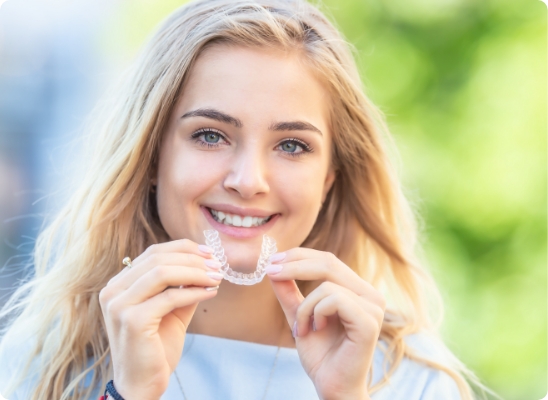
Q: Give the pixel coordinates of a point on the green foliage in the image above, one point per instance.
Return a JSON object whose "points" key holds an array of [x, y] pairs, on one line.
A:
{"points": [[463, 85]]}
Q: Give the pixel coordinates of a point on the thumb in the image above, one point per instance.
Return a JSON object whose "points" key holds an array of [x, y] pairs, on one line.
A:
{"points": [[289, 296]]}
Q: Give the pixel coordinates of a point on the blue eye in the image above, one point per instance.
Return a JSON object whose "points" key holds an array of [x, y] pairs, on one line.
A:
{"points": [[212, 137], [208, 137], [290, 147], [294, 147]]}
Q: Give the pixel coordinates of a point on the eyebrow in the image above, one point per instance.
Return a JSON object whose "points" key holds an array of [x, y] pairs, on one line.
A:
{"points": [[294, 126], [220, 116], [216, 115]]}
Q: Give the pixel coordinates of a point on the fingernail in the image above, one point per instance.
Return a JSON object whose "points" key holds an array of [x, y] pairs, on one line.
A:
{"points": [[205, 249], [215, 275], [211, 288], [277, 257], [273, 269], [294, 331], [213, 264]]}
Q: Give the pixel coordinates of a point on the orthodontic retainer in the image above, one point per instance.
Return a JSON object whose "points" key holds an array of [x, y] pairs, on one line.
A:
{"points": [[268, 248]]}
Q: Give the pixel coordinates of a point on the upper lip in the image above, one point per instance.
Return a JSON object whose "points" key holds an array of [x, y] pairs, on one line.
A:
{"points": [[252, 212]]}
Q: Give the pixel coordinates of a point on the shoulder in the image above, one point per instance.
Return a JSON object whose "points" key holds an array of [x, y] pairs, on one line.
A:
{"points": [[413, 380]]}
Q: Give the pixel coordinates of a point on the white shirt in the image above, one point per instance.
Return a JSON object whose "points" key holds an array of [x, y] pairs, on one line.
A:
{"points": [[223, 369], [217, 368]]}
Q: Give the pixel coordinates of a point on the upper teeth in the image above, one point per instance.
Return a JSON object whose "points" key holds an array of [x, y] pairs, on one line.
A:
{"points": [[237, 220]]}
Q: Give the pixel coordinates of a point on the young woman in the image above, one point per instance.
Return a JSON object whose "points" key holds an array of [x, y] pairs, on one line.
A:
{"points": [[247, 117]]}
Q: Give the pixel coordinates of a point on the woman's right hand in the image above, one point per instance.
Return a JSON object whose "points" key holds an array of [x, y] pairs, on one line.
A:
{"points": [[147, 314]]}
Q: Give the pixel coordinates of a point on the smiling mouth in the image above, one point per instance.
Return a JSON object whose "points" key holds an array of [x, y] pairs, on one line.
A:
{"points": [[245, 221]]}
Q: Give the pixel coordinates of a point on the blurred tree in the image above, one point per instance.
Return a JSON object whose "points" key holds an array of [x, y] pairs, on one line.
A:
{"points": [[463, 85]]}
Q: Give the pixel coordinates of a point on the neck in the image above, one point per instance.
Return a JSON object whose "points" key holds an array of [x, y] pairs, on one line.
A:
{"points": [[247, 313]]}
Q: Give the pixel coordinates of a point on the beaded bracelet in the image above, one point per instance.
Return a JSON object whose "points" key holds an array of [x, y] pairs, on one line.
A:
{"points": [[111, 392]]}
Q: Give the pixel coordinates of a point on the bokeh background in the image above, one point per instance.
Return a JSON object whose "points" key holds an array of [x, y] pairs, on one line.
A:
{"points": [[463, 86]]}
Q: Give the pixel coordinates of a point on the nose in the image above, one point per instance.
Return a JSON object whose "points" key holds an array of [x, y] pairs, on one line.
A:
{"points": [[248, 173]]}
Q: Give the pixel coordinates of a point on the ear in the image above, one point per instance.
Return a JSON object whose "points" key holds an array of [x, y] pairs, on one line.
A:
{"points": [[328, 183]]}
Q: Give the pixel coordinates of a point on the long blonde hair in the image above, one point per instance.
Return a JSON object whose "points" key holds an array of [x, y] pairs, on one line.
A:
{"points": [[365, 219]]}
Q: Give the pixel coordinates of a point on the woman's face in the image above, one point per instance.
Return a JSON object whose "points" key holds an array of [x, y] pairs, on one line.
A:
{"points": [[246, 152]]}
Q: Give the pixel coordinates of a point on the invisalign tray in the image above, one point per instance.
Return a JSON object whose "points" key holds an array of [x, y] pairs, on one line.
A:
{"points": [[267, 249]]}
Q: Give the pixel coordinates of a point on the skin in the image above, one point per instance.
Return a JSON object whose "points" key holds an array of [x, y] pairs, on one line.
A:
{"points": [[251, 166]]}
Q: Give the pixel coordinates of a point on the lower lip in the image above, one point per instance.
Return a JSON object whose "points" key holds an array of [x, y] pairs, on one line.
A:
{"points": [[239, 232]]}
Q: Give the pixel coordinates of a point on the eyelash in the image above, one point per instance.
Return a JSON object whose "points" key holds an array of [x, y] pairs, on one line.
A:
{"points": [[201, 132]]}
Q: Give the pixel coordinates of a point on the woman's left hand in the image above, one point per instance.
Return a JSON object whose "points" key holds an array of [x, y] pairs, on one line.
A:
{"points": [[346, 313]]}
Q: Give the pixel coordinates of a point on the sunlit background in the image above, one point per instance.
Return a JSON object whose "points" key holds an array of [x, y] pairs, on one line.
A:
{"points": [[463, 86]]}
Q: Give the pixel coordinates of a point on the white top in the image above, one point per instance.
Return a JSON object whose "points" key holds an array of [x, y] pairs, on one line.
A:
{"points": [[223, 369]]}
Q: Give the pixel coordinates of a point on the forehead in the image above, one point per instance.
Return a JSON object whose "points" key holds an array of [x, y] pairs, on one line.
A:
{"points": [[256, 82]]}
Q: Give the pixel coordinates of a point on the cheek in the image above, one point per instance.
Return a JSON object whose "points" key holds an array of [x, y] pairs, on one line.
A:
{"points": [[184, 176], [300, 188]]}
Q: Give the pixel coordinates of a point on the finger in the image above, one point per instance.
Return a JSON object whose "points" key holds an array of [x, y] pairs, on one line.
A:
{"points": [[157, 307], [156, 259], [116, 278], [309, 264], [175, 246], [355, 320], [305, 312], [161, 277], [290, 298], [178, 246]]}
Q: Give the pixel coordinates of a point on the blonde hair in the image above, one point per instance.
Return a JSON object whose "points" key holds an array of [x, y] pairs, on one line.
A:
{"points": [[365, 219]]}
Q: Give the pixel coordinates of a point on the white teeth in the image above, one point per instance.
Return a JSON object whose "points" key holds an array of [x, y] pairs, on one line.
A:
{"points": [[246, 222], [237, 220]]}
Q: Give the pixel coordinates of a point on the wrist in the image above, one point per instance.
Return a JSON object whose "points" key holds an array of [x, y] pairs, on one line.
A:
{"points": [[348, 396], [362, 394], [116, 393], [111, 393]]}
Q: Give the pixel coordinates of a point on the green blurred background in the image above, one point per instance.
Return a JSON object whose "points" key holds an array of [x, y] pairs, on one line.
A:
{"points": [[463, 86]]}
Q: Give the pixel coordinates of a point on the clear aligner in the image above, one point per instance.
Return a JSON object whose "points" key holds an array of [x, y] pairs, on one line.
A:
{"points": [[268, 248]]}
